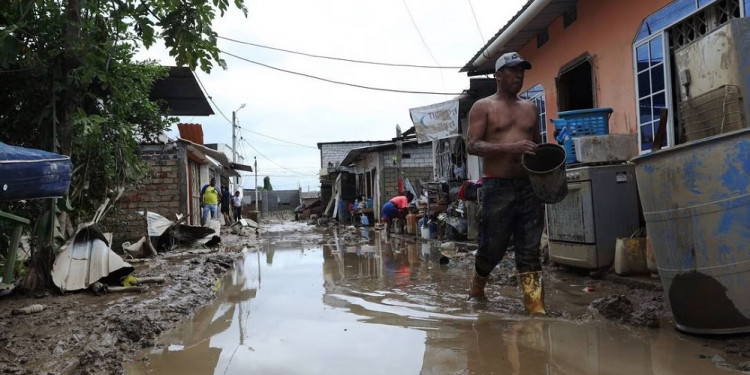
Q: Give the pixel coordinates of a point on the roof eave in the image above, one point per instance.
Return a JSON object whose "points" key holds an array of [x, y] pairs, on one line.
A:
{"points": [[534, 17]]}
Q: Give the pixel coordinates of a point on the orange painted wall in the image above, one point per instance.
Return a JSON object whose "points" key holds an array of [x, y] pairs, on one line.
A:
{"points": [[605, 30]]}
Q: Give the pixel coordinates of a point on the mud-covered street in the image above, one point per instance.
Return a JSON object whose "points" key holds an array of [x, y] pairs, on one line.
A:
{"points": [[338, 300]]}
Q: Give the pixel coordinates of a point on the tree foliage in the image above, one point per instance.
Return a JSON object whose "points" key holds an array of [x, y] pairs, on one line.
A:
{"points": [[68, 75], [267, 184], [70, 83]]}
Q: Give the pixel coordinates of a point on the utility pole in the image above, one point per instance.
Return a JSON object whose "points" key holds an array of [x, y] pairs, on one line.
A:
{"points": [[234, 139], [255, 168], [399, 155]]}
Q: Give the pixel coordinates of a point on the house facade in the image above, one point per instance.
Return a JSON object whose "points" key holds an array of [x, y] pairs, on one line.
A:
{"points": [[613, 54], [178, 169]]}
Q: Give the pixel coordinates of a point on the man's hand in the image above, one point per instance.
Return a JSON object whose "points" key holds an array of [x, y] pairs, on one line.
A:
{"points": [[525, 147]]}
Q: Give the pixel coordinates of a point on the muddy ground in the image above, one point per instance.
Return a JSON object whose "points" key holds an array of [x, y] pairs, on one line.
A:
{"points": [[81, 333]]}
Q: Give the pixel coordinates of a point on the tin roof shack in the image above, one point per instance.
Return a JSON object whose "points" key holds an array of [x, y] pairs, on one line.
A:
{"points": [[178, 169], [334, 173], [309, 197], [375, 168]]}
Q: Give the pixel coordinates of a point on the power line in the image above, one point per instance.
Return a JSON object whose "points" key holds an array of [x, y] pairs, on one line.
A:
{"points": [[281, 140], [475, 20], [269, 159], [212, 100], [340, 58], [230, 121], [339, 82], [419, 32]]}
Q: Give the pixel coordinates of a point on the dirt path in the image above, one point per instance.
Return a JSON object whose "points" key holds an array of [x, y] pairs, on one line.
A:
{"points": [[80, 333]]}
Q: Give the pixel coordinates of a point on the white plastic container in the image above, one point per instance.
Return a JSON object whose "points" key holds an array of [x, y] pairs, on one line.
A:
{"points": [[606, 148]]}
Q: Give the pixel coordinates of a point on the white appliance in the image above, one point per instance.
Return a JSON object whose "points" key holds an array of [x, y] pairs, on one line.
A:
{"points": [[601, 205]]}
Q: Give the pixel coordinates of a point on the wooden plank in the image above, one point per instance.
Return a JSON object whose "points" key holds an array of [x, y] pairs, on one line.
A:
{"points": [[11, 217], [10, 260], [662, 131]]}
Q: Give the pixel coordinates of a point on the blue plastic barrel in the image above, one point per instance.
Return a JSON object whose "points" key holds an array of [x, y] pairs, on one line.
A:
{"points": [[696, 203]]}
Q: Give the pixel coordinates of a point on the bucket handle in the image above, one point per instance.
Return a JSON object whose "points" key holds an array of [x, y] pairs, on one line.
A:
{"points": [[638, 232]]}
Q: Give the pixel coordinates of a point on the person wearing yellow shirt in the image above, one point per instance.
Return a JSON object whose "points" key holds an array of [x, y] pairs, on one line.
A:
{"points": [[210, 197]]}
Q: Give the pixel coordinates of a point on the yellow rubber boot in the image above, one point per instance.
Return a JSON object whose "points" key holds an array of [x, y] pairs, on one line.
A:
{"points": [[476, 289], [533, 292]]}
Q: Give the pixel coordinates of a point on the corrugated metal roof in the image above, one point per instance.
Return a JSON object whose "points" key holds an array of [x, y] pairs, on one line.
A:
{"points": [[191, 132], [87, 259], [182, 94], [310, 195], [355, 153], [522, 37]]}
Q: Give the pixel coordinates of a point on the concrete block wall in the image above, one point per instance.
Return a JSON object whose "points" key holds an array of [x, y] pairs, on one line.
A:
{"points": [[158, 192], [420, 155], [336, 152], [280, 200], [414, 174]]}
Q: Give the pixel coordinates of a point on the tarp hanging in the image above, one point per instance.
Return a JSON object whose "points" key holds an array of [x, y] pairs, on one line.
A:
{"points": [[436, 121]]}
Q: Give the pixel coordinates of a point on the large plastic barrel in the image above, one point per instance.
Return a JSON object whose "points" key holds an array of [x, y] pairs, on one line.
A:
{"points": [[546, 172], [696, 203]]}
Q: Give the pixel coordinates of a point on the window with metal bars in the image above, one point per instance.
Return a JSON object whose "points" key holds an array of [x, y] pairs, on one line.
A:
{"points": [[704, 21]]}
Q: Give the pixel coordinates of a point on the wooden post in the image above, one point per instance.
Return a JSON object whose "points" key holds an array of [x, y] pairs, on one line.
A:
{"points": [[15, 239]]}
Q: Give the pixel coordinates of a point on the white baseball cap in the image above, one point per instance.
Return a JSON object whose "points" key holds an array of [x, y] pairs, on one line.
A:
{"points": [[511, 59]]}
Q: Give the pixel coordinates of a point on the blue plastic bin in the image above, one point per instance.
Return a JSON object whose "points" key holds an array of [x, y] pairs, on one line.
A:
{"points": [[578, 123]]}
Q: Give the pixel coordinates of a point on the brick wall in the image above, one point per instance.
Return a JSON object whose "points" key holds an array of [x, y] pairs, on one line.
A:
{"points": [[158, 192]]}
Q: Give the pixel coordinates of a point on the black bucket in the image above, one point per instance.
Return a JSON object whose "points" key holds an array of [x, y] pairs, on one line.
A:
{"points": [[546, 172]]}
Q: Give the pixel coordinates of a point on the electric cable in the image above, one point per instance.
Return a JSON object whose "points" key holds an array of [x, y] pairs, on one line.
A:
{"points": [[339, 58], [212, 100], [269, 159], [339, 82], [476, 21], [241, 128], [278, 139], [414, 23]]}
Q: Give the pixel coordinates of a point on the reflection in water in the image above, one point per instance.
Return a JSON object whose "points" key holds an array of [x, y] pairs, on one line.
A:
{"points": [[387, 307]]}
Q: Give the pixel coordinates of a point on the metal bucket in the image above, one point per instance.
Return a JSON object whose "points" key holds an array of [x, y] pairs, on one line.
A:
{"points": [[696, 203], [546, 171]]}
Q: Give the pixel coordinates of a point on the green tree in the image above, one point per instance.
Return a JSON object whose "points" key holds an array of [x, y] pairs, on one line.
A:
{"points": [[267, 184], [70, 85]]}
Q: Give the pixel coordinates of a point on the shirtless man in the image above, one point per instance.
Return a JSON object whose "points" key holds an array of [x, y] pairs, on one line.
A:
{"points": [[502, 128]]}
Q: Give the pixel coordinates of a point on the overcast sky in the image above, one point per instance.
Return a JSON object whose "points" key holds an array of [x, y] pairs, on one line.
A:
{"points": [[286, 115]]}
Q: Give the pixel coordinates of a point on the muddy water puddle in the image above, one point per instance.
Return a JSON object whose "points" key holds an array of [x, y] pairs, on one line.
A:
{"points": [[388, 306]]}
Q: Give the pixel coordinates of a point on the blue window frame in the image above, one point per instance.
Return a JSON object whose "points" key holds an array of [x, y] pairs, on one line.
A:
{"points": [[536, 95], [670, 14], [651, 89]]}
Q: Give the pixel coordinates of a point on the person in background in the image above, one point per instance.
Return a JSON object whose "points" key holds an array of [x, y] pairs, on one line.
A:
{"points": [[237, 204], [503, 128], [361, 203], [209, 199], [396, 208], [226, 202], [459, 170]]}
